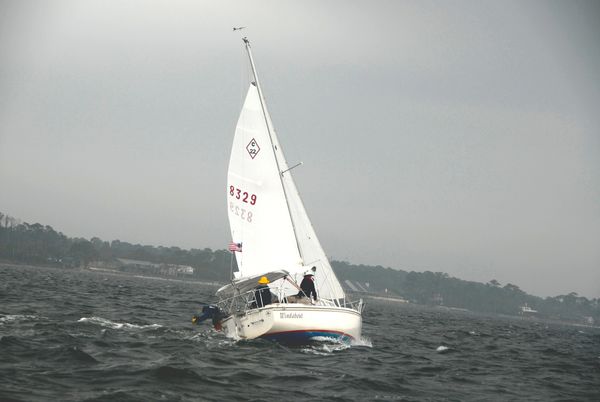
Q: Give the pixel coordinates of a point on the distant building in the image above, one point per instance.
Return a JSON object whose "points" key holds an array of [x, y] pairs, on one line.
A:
{"points": [[526, 310], [138, 263], [154, 268]]}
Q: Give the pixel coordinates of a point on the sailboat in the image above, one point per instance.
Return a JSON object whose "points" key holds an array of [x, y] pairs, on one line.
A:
{"points": [[274, 242]]}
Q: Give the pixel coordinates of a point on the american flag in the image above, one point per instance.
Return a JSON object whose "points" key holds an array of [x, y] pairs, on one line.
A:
{"points": [[235, 247]]}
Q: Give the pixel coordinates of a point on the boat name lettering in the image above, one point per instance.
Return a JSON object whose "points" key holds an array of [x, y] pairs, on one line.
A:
{"points": [[291, 315], [245, 196]]}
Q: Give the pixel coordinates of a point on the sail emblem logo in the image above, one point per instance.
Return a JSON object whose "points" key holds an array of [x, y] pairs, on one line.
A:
{"points": [[253, 148]]}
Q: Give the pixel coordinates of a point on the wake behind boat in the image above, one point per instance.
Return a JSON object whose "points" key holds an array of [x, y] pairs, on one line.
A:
{"points": [[285, 288]]}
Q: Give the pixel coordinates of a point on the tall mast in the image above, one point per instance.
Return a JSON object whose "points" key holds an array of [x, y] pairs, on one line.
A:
{"points": [[269, 130]]}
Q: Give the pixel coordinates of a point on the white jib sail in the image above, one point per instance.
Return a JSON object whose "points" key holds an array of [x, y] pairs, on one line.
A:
{"points": [[311, 251]]}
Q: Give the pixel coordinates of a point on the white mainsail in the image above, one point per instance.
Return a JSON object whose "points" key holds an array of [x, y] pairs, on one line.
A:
{"points": [[266, 214]]}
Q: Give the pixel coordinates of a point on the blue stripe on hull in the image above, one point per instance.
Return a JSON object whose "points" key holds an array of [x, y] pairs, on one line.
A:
{"points": [[303, 337]]}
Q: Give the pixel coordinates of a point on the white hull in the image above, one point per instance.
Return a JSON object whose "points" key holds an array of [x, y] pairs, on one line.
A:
{"points": [[295, 323]]}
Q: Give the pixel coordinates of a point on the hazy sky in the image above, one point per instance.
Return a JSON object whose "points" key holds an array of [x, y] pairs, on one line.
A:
{"points": [[459, 136]]}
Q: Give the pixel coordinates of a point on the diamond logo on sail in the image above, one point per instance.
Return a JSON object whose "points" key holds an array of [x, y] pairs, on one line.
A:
{"points": [[253, 148]]}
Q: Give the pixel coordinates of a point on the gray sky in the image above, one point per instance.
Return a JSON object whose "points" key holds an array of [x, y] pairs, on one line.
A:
{"points": [[460, 136]]}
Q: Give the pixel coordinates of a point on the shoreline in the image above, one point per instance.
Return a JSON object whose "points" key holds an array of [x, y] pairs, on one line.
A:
{"points": [[112, 272]]}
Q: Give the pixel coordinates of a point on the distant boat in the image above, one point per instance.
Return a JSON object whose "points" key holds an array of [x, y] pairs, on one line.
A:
{"points": [[274, 241]]}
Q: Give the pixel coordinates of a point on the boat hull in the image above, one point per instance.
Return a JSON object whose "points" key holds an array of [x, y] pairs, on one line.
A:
{"points": [[295, 324]]}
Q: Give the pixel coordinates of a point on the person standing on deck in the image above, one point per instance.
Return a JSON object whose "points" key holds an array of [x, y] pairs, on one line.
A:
{"points": [[308, 285]]}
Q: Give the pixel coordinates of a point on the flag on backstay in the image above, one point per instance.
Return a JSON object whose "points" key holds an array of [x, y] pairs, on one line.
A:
{"points": [[235, 247]]}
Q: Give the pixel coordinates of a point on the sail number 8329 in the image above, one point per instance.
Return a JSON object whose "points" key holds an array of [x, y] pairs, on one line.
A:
{"points": [[242, 195]]}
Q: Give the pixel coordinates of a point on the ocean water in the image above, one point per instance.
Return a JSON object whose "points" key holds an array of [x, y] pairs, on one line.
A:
{"points": [[93, 336]]}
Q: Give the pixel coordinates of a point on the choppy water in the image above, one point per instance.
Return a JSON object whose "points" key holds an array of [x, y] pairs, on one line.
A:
{"points": [[83, 336]]}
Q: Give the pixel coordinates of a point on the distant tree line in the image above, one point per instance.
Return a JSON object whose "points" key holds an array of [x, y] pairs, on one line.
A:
{"points": [[42, 245], [437, 288], [208, 264]]}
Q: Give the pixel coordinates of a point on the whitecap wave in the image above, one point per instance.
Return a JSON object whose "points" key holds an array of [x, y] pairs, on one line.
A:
{"points": [[103, 322], [325, 346], [363, 341], [315, 351], [16, 317], [335, 347], [442, 349]]}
